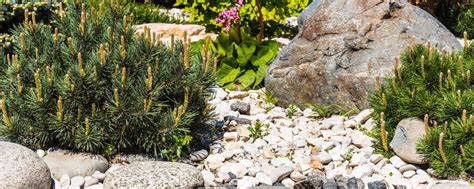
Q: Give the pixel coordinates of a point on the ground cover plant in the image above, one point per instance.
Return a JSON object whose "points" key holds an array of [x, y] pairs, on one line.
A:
{"points": [[436, 87], [88, 83]]}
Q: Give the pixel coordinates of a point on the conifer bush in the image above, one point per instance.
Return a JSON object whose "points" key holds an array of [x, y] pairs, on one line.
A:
{"points": [[436, 87], [88, 83]]}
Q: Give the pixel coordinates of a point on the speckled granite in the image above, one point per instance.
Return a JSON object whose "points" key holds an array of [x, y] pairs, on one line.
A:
{"points": [[154, 174], [20, 167]]}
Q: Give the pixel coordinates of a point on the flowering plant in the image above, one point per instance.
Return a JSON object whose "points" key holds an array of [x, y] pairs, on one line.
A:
{"points": [[228, 17]]}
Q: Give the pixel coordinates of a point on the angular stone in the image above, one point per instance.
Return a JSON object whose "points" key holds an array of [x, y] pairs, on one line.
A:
{"points": [[63, 162], [362, 171], [409, 174], [377, 185], [337, 57], [77, 181], [397, 162], [21, 167], [65, 180], [408, 167], [247, 182], [154, 175], [207, 176], [323, 157], [264, 179], [241, 107], [407, 134], [90, 182]]}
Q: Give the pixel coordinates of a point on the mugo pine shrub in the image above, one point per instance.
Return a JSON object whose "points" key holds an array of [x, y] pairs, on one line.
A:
{"points": [[437, 88], [87, 83]]}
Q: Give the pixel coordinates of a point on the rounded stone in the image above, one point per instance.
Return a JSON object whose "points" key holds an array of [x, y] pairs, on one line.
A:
{"points": [[20, 167], [154, 174], [74, 164]]}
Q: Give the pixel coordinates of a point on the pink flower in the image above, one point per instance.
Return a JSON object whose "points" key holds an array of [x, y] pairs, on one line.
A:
{"points": [[228, 17]]}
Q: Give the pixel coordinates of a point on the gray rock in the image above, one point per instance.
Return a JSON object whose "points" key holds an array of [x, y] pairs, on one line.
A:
{"points": [[20, 167], [355, 183], [329, 184], [407, 134], [343, 54], [132, 158], [154, 174], [241, 121], [74, 164], [198, 155], [241, 107], [77, 181], [377, 185]]}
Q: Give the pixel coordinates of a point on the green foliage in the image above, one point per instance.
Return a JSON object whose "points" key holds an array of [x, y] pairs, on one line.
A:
{"points": [[291, 110], [269, 100], [90, 84], [243, 60], [457, 147], [148, 13], [274, 13], [456, 15], [258, 130], [428, 82]]}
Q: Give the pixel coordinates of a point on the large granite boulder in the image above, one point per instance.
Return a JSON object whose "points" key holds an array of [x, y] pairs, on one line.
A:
{"points": [[20, 167], [154, 174], [343, 47], [62, 162]]}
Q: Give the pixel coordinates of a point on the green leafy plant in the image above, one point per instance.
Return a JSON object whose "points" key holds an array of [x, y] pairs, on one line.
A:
{"points": [[243, 61], [261, 18], [88, 83], [269, 100], [291, 110], [258, 130], [328, 110], [434, 86]]}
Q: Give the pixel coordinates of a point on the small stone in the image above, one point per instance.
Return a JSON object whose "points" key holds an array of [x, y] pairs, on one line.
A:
{"points": [[362, 171], [98, 175], [87, 178], [268, 154], [288, 182], [389, 170], [77, 181], [315, 164], [198, 155], [361, 140], [297, 176], [40, 152], [238, 94], [397, 162], [65, 180], [247, 182], [369, 125], [281, 161], [90, 182], [377, 185], [235, 168], [224, 176], [208, 176], [231, 136], [264, 179], [272, 139], [329, 184], [241, 107], [419, 179], [408, 167], [332, 121], [432, 172], [409, 174], [363, 116], [421, 172], [277, 174], [323, 157]]}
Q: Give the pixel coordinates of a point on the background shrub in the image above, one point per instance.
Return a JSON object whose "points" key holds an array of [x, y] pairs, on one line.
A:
{"points": [[274, 14], [439, 85], [87, 83]]}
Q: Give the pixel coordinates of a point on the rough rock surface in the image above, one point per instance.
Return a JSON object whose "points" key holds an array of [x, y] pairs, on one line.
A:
{"points": [[345, 45], [154, 174], [20, 167], [407, 134], [63, 162]]}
